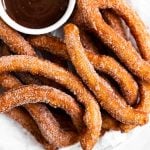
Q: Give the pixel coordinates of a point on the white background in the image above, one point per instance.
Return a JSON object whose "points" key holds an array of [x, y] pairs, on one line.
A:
{"points": [[13, 137]]}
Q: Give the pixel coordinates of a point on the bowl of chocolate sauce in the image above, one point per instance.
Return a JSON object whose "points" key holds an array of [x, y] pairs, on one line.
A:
{"points": [[36, 16]]}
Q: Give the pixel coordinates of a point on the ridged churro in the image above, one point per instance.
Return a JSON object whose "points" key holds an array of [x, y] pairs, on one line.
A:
{"points": [[101, 63], [92, 19], [34, 65], [104, 93]]}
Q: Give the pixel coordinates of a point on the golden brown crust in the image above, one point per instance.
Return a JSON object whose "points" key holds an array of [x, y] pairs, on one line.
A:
{"points": [[56, 98], [104, 93], [8, 81], [122, 48], [142, 38], [101, 63], [50, 128], [92, 118], [20, 115], [14, 40], [116, 23], [43, 118]]}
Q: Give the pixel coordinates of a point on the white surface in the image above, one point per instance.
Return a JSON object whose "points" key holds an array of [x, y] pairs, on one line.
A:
{"points": [[13, 137]]}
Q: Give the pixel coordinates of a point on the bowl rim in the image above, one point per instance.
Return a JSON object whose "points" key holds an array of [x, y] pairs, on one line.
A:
{"points": [[8, 20]]}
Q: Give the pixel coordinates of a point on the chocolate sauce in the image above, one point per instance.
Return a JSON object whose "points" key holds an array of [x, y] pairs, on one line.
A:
{"points": [[35, 13]]}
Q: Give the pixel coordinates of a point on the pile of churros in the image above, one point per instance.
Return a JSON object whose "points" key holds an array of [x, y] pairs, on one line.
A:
{"points": [[75, 89]]}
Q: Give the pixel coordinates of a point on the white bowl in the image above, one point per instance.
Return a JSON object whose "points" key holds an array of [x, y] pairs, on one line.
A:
{"points": [[20, 28]]}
